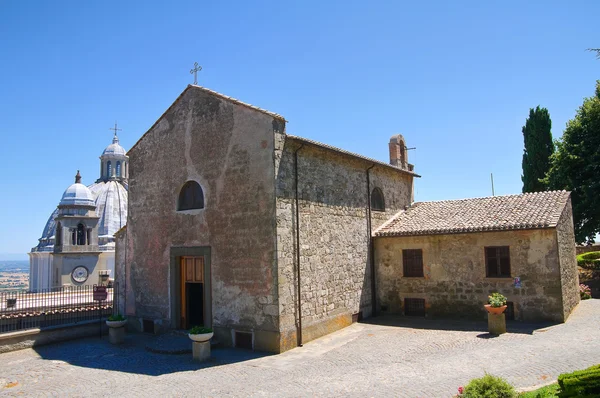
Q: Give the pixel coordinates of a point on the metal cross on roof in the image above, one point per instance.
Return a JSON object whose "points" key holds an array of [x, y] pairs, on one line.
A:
{"points": [[197, 68], [115, 129]]}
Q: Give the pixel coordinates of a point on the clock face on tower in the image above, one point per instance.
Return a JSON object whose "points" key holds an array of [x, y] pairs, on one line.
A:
{"points": [[80, 274]]}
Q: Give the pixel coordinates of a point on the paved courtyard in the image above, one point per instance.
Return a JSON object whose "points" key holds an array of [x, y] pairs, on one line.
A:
{"points": [[399, 357]]}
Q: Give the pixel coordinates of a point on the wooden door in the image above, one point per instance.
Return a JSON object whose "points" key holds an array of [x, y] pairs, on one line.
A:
{"points": [[192, 271]]}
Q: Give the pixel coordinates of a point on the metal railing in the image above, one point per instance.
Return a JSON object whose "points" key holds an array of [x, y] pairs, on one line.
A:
{"points": [[21, 310]]}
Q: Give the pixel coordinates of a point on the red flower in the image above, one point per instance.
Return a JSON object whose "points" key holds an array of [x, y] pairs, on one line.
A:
{"points": [[461, 390]]}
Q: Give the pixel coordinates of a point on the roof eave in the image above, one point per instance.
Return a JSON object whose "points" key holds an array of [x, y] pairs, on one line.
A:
{"points": [[340, 151]]}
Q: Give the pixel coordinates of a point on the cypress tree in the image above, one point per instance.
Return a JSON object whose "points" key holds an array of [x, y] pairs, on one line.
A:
{"points": [[538, 149]]}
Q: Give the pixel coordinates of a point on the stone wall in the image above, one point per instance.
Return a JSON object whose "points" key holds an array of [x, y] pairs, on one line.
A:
{"points": [[565, 236], [227, 148], [455, 282], [334, 238], [587, 249], [120, 268]]}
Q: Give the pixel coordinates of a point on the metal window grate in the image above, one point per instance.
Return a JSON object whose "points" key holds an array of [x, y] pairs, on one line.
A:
{"points": [[414, 307], [412, 260], [497, 261], [243, 340]]}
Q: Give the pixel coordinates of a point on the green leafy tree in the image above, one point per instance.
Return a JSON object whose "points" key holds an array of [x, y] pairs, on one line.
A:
{"points": [[538, 149], [576, 167]]}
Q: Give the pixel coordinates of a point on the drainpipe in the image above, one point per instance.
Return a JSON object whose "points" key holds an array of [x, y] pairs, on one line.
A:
{"points": [[299, 334], [371, 246]]}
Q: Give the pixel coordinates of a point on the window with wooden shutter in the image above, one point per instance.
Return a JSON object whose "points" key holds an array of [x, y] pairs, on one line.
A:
{"points": [[497, 262], [191, 196], [412, 262]]}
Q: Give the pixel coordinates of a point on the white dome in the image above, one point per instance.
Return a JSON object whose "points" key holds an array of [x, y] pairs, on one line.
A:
{"points": [[79, 195], [114, 148], [111, 206]]}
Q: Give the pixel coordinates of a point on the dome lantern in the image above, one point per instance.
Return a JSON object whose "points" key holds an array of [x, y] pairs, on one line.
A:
{"points": [[114, 162]]}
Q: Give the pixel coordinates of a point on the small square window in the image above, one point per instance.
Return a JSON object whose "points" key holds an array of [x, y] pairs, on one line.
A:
{"points": [[414, 307], [497, 262], [412, 263]]}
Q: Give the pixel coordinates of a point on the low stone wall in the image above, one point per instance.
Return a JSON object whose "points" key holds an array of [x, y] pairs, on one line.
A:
{"points": [[587, 249], [22, 339]]}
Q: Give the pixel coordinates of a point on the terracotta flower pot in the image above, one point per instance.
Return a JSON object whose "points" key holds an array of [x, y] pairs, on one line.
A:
{"points": [[494, 310]]}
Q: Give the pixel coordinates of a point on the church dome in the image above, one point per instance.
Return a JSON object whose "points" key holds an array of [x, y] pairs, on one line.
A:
{"points": [[114, 148], [109, 196], [77, 194], [111, 207]]}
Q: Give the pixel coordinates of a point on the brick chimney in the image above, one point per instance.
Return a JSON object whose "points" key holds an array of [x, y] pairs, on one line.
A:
{"points": [[398, 156]]}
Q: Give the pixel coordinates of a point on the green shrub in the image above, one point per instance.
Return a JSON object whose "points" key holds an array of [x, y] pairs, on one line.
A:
{"points": [[590, 260], [489, 387], [117, 317], [496, 300], [550, 391], [580, 383], [200, 330]]}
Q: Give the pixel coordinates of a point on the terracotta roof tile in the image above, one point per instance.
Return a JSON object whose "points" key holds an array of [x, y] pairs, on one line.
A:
{"points": [[495, 213]]}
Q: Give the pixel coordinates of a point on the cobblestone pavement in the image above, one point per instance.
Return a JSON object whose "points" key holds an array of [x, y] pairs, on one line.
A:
{"points": [[398, 357]]}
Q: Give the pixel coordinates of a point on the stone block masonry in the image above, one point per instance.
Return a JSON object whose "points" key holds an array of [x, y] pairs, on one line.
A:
{"points": [[455, 283], [333, 233]]}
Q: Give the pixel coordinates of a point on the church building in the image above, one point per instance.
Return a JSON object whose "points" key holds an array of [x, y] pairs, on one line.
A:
{"points": [[271, 239], [77, 246]]}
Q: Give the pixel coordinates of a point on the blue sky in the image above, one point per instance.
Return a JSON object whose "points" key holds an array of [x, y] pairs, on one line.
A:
{"points": [[457, 79]]}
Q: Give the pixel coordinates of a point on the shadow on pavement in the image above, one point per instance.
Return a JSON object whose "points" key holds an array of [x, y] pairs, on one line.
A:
{"points": [[133, 356], [452, 324]]}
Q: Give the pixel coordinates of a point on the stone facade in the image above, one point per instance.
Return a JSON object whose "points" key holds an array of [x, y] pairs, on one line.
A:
{"points": [[333, 233], [228, 149], [455, 282], [565, 236]]}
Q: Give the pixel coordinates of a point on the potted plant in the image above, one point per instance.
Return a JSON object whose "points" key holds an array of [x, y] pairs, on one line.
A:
{"points": [[116, 321], [496, 303], [200, 334]]}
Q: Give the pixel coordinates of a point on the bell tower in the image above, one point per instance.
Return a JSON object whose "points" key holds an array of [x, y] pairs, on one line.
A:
{"points": [[76, 246]]}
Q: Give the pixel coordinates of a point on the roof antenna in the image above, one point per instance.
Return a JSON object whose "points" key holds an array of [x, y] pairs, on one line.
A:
{"points": [[492, 178]]}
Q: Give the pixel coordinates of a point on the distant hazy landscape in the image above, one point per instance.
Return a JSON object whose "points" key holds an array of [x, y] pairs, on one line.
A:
{"points": [[14, 274]]}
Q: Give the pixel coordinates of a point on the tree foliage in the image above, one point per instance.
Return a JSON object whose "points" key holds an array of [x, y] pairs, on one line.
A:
{"points": [[538, 149], [575, 167]]}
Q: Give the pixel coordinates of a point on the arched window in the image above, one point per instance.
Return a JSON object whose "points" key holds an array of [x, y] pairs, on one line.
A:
{"points": [[191, 196], [108, 169], [377, 201], [118, 168], [58, 235], [81, 235]]}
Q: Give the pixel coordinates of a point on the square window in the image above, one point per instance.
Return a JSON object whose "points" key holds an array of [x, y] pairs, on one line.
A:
{"points": [[414, 307], [497, 262], [412, 263]]}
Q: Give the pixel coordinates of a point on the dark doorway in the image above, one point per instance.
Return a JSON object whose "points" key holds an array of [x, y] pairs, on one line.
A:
{"points": [[195, 304]]}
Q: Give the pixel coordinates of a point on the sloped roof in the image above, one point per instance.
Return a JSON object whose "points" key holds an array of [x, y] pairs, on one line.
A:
{"points": [[216, 94], [495, 213], [303, 140]]}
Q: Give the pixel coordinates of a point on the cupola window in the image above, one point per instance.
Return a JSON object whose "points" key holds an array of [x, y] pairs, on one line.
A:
{"points": [[191, 196], [81, 234], [118, 168], [377, 200], [108, 169]]}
